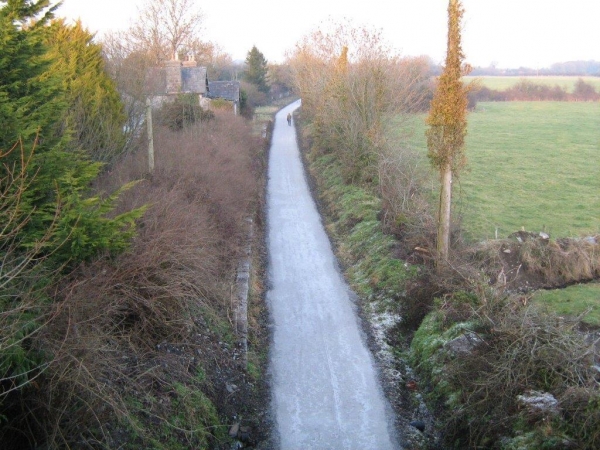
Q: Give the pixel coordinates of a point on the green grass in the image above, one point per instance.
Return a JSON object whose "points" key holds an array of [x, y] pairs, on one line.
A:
{"points": [[362, 247], [502, 83], [579, 300], [531, 164]]}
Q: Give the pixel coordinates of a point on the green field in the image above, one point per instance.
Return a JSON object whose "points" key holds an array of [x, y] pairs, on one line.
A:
{"points": [[503, 83], [579, 300], [531, 164]]}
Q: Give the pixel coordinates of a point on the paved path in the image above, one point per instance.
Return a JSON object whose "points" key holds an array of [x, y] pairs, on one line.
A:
{"points": [[326, 394]]}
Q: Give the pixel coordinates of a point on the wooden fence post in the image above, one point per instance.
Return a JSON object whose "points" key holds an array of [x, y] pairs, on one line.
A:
{"points": [[150, 135]]}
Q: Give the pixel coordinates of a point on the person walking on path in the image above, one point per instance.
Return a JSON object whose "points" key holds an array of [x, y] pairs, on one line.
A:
{"points": [[289, 119]]}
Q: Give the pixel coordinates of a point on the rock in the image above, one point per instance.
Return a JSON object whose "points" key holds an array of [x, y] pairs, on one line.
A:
{"points": [[419, 425], [544, 236], [465, 343], [231, 388], [244, 435], [539, 403], [412, 385], [233, 431]]}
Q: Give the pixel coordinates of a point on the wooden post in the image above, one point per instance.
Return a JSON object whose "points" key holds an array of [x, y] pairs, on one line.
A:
{"points": [[150, 135]]}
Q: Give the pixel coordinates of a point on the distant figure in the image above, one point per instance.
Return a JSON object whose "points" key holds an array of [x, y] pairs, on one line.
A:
{"points": [[289, 119]]}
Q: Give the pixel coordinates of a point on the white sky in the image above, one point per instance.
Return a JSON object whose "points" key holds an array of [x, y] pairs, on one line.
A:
{"points": [[511, 33]]}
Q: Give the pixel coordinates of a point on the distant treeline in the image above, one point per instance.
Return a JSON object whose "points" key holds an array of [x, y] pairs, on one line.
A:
{"points": [[570, 68], [526, 90]]}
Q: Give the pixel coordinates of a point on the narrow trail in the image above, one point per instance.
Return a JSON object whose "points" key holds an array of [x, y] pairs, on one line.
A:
{"points": [[326, 392]]}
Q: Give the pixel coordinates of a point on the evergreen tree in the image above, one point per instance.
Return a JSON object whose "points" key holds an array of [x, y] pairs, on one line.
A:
{"points": [[30, 99], [35, 116], [256, 70], [448, 125], [94, 108]]}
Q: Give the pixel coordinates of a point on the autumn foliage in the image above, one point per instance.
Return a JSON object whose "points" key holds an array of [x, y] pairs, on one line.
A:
{"points": [[448, 124]]}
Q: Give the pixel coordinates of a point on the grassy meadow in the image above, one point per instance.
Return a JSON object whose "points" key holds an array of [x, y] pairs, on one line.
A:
{"points": [[578, 300], [500, 83], [531, 164]]}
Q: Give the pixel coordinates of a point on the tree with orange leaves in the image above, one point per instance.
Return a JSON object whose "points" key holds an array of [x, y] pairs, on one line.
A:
{"points": [[448, 125]]}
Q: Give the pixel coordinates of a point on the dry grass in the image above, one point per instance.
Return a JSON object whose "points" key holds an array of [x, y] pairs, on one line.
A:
{"points": [[527, 262], [564, 260]]}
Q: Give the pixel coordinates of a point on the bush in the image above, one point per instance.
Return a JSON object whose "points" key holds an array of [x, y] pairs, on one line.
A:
{"points": [[183, 112], [516, 349], [407, 209]]}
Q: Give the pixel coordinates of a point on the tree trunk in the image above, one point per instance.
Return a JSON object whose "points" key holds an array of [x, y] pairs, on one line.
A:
{"points": [[443, 235]]}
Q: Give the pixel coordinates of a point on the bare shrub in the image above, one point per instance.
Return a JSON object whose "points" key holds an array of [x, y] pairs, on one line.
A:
{"points": [[526, 90], [114, 316], [584, 92], [130, 334], [353, 84], [408, 212], [520, 349]]}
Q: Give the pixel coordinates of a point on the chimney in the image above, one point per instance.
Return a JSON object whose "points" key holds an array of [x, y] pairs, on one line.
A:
{"points": [[173, 74], [191, 61]]}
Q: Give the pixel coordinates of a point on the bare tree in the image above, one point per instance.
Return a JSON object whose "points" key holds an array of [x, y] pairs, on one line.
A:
{"points": [[131, 69], [166, 28], [353, 87]]}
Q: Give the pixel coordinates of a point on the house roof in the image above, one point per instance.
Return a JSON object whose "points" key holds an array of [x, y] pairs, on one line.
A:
{"points": [[193, 80], [227, 90]]}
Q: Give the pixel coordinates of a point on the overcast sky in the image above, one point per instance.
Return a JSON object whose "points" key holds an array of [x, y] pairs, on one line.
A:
{"points": [[510, 33]]}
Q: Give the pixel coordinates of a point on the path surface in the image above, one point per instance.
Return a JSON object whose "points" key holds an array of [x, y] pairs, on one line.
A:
{"points": [[326, 393]]}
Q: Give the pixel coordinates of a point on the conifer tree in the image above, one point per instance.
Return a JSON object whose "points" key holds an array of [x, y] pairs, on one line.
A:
{"points": [[257, 70], [34, 113], [448, 125], [94, 108], [30, 100]]}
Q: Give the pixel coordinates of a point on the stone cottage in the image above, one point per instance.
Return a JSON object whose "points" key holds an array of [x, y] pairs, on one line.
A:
{"points": [[226, 90], [180, 77]]}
